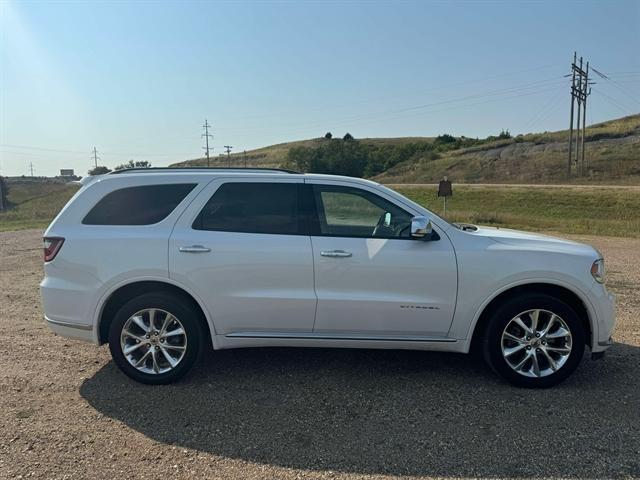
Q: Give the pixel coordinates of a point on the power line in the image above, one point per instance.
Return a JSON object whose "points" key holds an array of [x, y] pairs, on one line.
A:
{"points": [[492, 93], [545, 111], [206, 136], [439, 87], [617, 85], [421, 113], [614, 102]]}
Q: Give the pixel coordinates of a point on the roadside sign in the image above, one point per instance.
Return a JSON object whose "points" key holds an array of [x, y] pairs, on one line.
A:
{"points": [[445, 190]]}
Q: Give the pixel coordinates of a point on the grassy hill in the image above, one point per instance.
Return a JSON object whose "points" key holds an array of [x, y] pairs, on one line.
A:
{"points": [[275, 156], [612, 156], [33, 203]]}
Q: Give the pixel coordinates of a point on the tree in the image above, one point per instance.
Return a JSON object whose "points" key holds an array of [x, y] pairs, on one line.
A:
{"points": [[3, 195], [99, 170], [445, 138], [504, 134], [347, 136], [328, 135], [134, 164]]}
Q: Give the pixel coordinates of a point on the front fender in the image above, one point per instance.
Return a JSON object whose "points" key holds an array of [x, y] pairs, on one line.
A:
{"points": [[463, 331]]}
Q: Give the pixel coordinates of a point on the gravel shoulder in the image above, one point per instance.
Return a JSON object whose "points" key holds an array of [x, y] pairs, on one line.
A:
{"points": [[67, 412]]}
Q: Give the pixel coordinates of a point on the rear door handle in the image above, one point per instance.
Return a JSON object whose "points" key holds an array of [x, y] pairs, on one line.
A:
{"points": [[336, 254], [195, 249]]}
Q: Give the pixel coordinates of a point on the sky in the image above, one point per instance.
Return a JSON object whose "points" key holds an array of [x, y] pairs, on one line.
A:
{"points": [[136, 80]]}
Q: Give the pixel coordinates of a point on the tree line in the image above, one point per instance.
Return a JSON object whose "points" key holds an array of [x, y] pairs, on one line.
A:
{"points": [[101, 169], [348, 156]]}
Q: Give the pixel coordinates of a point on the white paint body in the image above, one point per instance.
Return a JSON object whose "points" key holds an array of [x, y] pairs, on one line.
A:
{"points": [[277, 290]]}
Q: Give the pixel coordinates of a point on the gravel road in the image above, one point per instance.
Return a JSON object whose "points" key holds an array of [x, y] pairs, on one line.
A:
{"points": [[67, 412]]}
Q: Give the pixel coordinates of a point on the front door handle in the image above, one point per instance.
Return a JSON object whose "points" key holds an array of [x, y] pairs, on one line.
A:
{"points": [[195, 249], [336, 254]]}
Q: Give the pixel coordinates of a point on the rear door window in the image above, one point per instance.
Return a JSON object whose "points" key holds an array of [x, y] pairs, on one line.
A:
{"points": [[141, 205], [253, 207]]}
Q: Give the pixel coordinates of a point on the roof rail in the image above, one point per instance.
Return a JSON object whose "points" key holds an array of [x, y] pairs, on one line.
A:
{"points": [[205, 169]]}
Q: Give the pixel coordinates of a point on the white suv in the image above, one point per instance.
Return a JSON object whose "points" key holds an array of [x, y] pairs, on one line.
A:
{"points": [[160, 263]]}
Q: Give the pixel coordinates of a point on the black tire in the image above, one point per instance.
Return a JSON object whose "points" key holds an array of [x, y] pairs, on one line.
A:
{"points": [[180, 308], [492, 342]]}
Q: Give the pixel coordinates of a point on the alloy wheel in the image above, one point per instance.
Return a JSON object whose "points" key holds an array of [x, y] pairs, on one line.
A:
{"points": [[536, 343], [153, 341]]}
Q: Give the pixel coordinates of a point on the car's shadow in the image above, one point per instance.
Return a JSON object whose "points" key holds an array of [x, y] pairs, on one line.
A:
{"points": [[389, 412]]}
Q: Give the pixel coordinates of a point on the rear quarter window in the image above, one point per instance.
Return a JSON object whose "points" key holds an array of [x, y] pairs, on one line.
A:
{"points": [[141, 205]]}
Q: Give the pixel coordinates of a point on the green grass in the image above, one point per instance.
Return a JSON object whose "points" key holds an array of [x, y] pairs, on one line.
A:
{"points": [[34, 203], [584, 210], [611, 212]]}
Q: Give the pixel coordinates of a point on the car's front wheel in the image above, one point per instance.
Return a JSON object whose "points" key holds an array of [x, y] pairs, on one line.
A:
{"points": [[534, 340], [155, 338]]}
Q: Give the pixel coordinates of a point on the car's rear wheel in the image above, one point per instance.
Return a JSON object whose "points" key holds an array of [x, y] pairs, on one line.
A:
{"points": [[534, 340], [155, 338]]}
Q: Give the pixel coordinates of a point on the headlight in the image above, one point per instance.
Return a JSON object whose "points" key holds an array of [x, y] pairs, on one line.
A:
{"points": [[597, 270]]}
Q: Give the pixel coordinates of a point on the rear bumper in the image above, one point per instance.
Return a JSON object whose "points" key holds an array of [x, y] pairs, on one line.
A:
{"points": [[68, 308], [71, 330]]}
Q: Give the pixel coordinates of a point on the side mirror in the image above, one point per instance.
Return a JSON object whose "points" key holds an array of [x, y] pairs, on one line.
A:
{"points": [[420, 227]]}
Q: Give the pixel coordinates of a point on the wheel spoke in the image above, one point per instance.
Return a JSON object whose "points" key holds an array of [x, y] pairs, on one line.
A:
{"points": [[551, 323], [552, 362], [562, 350], [522, 362], [535, 367], [154, 359], [513, 338], [152, 318], [560, 333], [132, 348], [127, 333], [510, 351], [165, 323], [174, 347], [522, 325], [172, 361], [534, 315], [173, 333], [139, 322], [142, 360]]}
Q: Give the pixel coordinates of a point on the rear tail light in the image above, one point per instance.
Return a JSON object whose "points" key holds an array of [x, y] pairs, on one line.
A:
{"points": [[52, 247]]}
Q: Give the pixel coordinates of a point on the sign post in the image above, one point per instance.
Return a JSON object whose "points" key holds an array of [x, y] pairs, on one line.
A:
{"points": [[445, 190]]}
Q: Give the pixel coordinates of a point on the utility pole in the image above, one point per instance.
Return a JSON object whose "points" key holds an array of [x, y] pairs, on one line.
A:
{"points": [[228, 150], [586, 91], [573, 101], [31, 168], [95, 157], [206, 136], [245, 159], [575, 162], [580, 90]]}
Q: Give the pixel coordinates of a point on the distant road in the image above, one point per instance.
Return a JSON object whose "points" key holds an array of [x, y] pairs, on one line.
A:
{"points": [[521, 185]]}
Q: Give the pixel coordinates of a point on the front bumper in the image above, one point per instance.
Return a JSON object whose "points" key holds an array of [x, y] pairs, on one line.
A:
{"points": [[604, 323]]}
